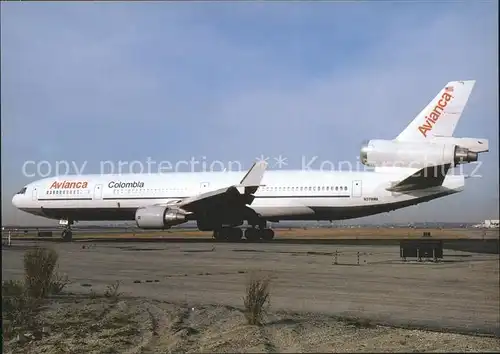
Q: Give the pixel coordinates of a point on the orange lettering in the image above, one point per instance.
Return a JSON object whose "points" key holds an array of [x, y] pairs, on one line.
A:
{"points": [[424, 130], [436, 112], [427, 125], [68, 184], [434, 116]]}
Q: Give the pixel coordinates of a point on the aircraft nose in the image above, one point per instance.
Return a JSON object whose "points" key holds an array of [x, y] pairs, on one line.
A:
{"points": [[16, 201]]}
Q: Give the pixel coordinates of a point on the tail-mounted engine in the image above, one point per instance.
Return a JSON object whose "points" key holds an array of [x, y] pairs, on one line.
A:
{"points": [[415, 153]]}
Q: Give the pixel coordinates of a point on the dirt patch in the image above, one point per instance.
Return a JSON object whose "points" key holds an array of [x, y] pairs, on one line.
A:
{"points": [[84, 324]]}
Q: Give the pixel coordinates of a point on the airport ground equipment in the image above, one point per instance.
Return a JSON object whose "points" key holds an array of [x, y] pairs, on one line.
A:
{"points": [[421, 248], [44, 233]]}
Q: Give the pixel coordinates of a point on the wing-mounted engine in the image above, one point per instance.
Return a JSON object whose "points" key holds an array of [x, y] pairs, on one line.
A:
{"points": [[159, 217], [416, 154]]}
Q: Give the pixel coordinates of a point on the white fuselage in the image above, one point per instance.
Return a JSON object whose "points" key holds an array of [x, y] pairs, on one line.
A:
{"points": [[221, 201], [286, 195]]}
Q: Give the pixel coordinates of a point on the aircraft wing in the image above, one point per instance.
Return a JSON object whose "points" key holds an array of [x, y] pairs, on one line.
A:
{"points": [[229, 197], [430, 176]]}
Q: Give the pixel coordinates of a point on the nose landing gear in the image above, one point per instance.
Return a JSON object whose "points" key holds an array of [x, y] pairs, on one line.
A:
{"points": [[67, 233]]}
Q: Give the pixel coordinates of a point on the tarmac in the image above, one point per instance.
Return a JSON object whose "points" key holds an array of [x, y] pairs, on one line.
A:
{"points": [[459, 294]]}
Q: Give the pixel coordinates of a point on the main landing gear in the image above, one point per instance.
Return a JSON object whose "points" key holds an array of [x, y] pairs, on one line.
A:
{"points": [[67, 233], [236, 234]]}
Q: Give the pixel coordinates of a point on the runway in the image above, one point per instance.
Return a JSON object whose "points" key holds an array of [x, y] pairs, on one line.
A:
{"points": [[459, 294]]}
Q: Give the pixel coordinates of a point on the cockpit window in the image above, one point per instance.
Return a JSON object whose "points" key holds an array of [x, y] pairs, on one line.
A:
{"points": [[22, 191]]}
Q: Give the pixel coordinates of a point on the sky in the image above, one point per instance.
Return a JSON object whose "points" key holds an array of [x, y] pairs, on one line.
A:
{"points": [[220, 81]]}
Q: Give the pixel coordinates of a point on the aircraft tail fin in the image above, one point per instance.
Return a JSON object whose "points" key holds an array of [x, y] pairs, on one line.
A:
{"points": [[441, 115]]}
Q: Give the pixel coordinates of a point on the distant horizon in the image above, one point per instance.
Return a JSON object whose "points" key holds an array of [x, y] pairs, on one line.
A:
{"points": [[321, 223]]}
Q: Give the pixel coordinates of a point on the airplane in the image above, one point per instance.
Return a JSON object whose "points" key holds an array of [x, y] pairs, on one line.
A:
{"points": [[411, 168]]}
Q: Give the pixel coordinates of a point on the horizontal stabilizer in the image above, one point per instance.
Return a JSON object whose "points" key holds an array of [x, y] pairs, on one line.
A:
{"points": [[431, 176], [473, 144]]}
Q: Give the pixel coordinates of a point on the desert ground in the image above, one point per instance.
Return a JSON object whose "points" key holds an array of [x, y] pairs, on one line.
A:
{"points": [[178, 297]]}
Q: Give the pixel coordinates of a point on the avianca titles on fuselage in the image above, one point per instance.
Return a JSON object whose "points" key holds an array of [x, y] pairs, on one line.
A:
{"points": [[68, 184]]}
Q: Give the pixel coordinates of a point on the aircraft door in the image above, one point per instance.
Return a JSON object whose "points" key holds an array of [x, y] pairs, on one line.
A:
{"points": [[34, 194], [356, 188], [98, 192]]}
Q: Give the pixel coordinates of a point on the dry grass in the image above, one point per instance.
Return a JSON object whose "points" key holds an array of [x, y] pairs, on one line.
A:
{"points": [[18, 308], [21, 300], [112, 291], [39, 265], [58, 283], [79, 325], [256, 300]]}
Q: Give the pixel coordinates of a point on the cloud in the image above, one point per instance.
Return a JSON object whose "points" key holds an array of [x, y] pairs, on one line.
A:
{"points": [[126, 81]]}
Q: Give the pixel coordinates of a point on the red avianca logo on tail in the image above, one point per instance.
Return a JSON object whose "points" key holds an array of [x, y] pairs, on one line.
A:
{"points": [[433, 117], [68, 184]]}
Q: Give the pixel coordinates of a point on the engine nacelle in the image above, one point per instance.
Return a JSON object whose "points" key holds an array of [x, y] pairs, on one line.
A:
{"points": [[377, 153], [158, 217], [473, 144]]}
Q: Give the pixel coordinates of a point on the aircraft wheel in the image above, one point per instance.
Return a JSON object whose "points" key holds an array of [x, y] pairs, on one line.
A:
{"points": [[267, 234], [218, 235], [231, 234], [235, 234], [252, 234]]}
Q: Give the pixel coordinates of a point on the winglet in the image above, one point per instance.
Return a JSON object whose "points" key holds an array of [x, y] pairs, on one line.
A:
{"points": [[254, 175]]}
